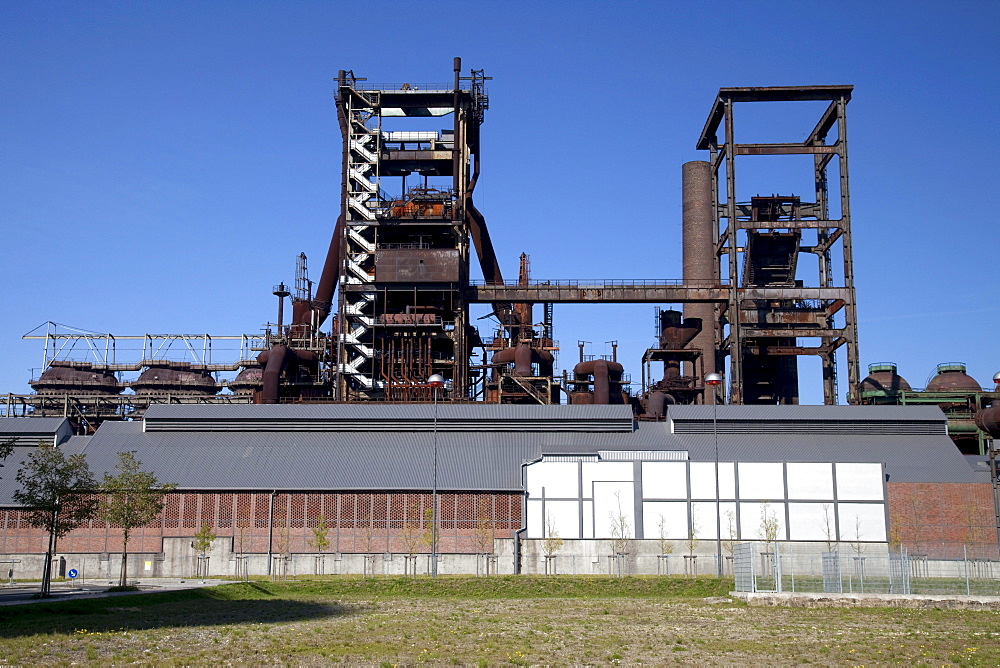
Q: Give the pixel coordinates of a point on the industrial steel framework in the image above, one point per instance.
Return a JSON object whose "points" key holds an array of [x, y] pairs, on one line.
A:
{"points": [[758, 244], [402, 312]]}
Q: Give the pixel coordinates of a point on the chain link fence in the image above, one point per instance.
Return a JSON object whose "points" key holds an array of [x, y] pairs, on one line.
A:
{"points": [[952, 569]]}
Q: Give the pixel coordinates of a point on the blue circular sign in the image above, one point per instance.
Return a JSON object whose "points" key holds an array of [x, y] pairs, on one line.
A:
{"points": [[72, 573]]}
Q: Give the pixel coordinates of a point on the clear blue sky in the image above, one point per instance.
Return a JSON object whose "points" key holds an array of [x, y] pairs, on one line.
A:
{"points": [[162, 164]]}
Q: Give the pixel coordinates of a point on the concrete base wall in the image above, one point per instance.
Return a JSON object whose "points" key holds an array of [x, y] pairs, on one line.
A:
{"points": [[572, 557]]}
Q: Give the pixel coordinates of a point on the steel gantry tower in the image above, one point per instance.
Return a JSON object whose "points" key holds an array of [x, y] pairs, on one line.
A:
{"points": [[407, 221], [758, 245]]}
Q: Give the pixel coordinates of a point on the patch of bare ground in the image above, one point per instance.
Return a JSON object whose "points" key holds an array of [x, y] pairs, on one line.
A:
{"points": [[308, 627]]}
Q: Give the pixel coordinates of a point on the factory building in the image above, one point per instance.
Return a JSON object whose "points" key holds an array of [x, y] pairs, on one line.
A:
{"points": [[510, 476]]}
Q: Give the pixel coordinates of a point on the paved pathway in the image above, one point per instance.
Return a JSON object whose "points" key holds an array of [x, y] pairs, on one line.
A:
{"points": [[20, 593]]}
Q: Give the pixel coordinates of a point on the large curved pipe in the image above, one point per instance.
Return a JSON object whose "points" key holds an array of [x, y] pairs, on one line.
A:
{"points": [[604, 373], [657, 402], [989, 420], [273, 361], [523, 356], [322, 304]]}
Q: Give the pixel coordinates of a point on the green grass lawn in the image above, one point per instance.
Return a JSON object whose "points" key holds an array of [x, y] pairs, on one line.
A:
{"points": [[486, 621]]}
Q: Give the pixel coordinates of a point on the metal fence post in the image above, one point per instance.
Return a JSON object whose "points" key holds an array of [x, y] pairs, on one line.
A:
{"points": [[965, 558]]}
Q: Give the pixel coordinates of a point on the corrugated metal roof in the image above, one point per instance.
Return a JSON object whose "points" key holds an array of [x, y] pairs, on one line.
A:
{"points": [[31, 425], [928, 458], [317, 461], [11, 465], [478, 460], [814, 413], [386, 411], [388, 417]]}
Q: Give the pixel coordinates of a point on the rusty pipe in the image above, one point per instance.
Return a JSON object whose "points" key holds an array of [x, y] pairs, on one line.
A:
{"points": [[322, 304], [274, 362], [523, 356], [657, 402], [604, 374], [988, 420]]}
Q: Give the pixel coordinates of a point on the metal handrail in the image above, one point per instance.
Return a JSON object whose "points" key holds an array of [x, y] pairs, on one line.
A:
{"points": [[607, 282], [413, 87]]}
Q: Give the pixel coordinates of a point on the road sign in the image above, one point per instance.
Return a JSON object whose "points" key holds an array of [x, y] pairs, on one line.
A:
{"points": [[72, 573]]}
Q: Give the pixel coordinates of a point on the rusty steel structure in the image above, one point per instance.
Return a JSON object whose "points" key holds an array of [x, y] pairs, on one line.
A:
{"points": [[397, 281], [758, 245], [406, 231]]}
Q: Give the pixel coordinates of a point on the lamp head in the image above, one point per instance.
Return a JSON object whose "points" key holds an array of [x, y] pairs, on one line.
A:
{"points": [[714, 379], [437, 380]]}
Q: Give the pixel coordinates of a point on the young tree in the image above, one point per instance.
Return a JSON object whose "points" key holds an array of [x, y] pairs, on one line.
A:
{"points": [[485, 529], [130, 499], [412, 531], [203, 539], [666, 547], [202, 544], [320, 542], [829, 528], [552, 542], [54, 489], [729, 540], [769, 525], [621, 528], [692, 537]]}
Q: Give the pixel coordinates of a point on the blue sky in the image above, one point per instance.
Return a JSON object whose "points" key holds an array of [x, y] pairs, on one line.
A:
{"points": [[162, 164]]}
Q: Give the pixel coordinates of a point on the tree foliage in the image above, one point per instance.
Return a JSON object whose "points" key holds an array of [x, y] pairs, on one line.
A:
{"points": [[769, 525], [6, 448], [203, 539], [320, 540], [55, 491], [131, 499]]}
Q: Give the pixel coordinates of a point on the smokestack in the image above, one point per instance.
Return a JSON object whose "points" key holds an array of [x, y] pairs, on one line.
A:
{"points": [[699, 255]]}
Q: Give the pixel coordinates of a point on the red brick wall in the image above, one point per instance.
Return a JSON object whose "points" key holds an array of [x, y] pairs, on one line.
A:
{"points": [[357, 522], [938, 519]]}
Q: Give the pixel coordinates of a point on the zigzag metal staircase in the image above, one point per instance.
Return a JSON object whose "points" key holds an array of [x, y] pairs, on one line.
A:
{"points": [[363, 205]]}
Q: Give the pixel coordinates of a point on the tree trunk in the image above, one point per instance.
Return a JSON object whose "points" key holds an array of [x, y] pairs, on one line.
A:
{"points": [[121, 578], [47, 572]]}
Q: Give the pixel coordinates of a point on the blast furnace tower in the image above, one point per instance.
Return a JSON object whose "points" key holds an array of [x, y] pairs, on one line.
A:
{"points": [[779, 307], [403, 238]]}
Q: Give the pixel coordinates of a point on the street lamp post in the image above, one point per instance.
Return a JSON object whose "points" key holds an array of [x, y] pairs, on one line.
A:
{"points": [[436, 382], [713, 380]]}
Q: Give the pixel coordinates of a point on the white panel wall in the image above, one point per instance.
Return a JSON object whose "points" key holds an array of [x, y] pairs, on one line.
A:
{"points": [[664, 480], [727, 480], [564, 516], [612, 499], [860, 495], [862, 521], [810, 481], [702, 480], [704, 519], [859, 482], [750, 520], [536, 524], [605, 471], [762, 480], [806, 521], [730, 526], [675, 519], [560, 480]]}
